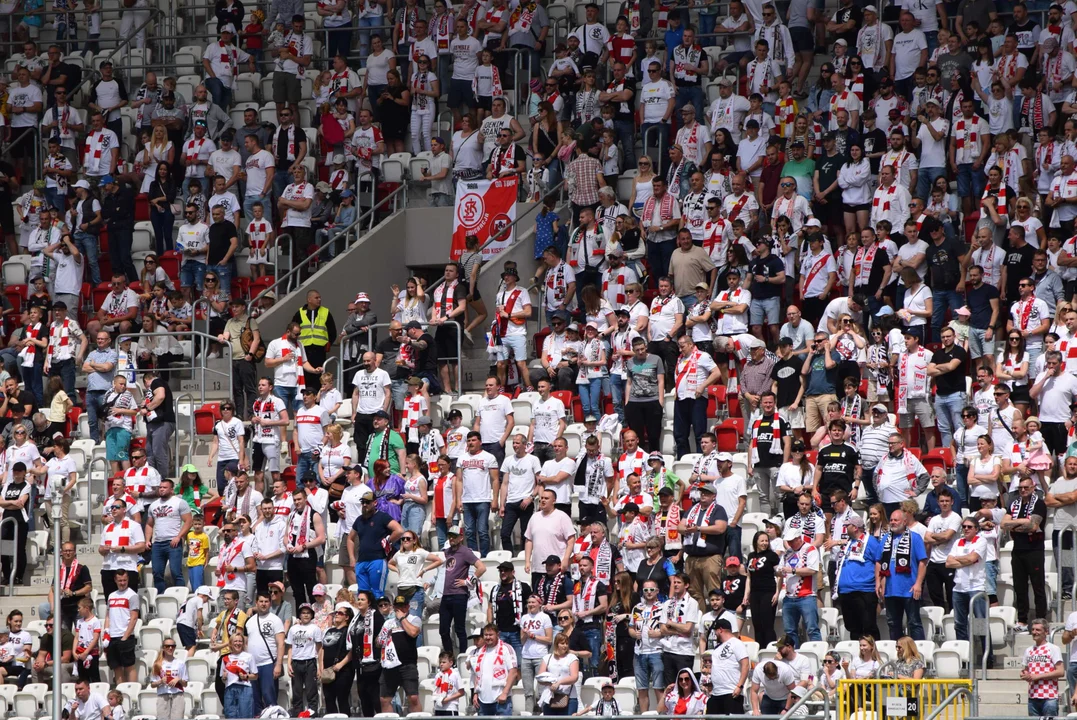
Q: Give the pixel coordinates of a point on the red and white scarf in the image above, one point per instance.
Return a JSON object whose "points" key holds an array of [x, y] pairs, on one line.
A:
{"points": [[1032, 111], [59, 336], [919, 380], [445, 299], [1024, 310], [775, 440], [228, 557], [966, 133], [865, 259], [94, 148], [441, 28], [229, 57], [500, 671], [1000, 206]]}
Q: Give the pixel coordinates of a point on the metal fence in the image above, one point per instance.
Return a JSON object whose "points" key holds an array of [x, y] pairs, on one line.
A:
{"points": [[903, 698]]}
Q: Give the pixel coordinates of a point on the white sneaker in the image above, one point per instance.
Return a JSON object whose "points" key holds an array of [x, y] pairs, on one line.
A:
{"points": [[213, 355]]}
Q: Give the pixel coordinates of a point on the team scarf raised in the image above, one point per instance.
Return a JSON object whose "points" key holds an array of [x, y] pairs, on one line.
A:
{"points": [[1000, 206], [1032, 112]]}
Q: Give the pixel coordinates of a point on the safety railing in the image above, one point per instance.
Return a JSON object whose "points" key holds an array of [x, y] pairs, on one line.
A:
{"points": [[369, 332], [5, 544], [818, 687], [200, 342], [959, 693], [979, 626], [1070, 531], [283, 284], [190, 431], [915, 698]]}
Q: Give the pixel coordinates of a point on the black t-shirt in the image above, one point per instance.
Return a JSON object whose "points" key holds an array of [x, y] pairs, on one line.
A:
{"points": [[768, 267], [764, 438], [733, 587], [1026, 42], [874, 141], [370, 532], [335, 645], [1018, 264], [405, 645], [656, 572], [715, 543], [839, 466], [978, 301], [953, 381], [426, 359], [389, 350], [166, 411], [944, 264], [761, 567], [1023, 540], [600, 591], [357, 635], [553, 591], [220, 237], [82, 579], [828, 167], [25, 398], [13, 491], [878, 268], [844, 15], [787, 375], [505, 606]]}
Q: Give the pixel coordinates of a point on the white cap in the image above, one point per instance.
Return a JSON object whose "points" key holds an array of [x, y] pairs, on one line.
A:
{"points": [[84, 184], [870, 9], [791, 534], [204, 590], [813, 222], [228, 28], [842, 41]]}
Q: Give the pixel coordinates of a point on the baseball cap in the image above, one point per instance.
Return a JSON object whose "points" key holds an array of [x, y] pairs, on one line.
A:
{"points": [[724, 457], [362, 297], [855, 520], [879, 407], [791, 534], [813, 222], [552, 560], [870, 9], [414, 325], [84, 184], [725, 80], [381, 414], [204, 590], [228, 28], [506, 566], [108, 180], [323, 187], [732, 561], [786, 641], [842, 41], [456, 529], [400, 600], [702, 286], [318, 589], [656, 456]]}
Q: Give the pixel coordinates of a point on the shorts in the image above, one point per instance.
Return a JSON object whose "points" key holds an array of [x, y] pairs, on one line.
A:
{"points": [[405, 676], [121, 653], [803, 40], [1019, 394], [117, 443], [831, 213], [978, 347], [761, 308], [795, 418], [265, 454], [875, 393], [445, 342], [286, 88], [921, 409], [461, 94], [188, 635], [192, 274], [516, 343], [863, 207], [33, 31], [484, 102], [648, 670]]}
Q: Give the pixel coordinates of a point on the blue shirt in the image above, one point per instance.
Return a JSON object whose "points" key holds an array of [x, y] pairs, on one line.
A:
{"points": [[673, 38], [931, 504], [97, 380], [899, 584], [857, 575]]}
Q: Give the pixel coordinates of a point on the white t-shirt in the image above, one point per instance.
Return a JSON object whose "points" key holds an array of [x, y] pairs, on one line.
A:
{"points": [[654, 99], [241, 661], [171, 669], [493, 417], [121, 604], [257, 166], [538, 623], [907, 48], [269, 537], [932, 151], [939, 524], [24, 97], [228, 435], [287, 373], [409, 566], [475, 472], [304, 640], [725, 666], [371, 387], [972, 578], [663, 316], [298, 218], [547, 415], [778, 688], [310, 424], [563, 490], [685, 610], [167, 517], [519, 473], [192, 608], [268, 409], [1056, 397], [730, 490], [465, 55], [115, 535]]}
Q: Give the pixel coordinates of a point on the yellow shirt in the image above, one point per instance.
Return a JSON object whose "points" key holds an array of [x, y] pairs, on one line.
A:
{"points": [[239, 621], [58, 407], [197, 548]]}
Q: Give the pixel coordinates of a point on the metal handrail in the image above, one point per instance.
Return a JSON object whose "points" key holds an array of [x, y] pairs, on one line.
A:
{"points": [[954, 695], [348, 241], [203, 338], [369, 332], [190, 433], [1072, 529], [89, 481], [15, 557], [987, 636], [817, 687]]}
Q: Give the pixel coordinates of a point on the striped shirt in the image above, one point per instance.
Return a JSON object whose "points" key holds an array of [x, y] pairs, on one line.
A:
{"points": [[755, 377], [874, 443]]}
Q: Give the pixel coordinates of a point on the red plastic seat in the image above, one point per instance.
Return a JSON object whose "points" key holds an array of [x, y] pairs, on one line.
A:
{"points": [[729, 433], [241, 288], [540, 337], [916, 453], [73, 420], [733, 402], [863, 387], [288, 475], [170, 262], [716, 398], [577, 409], [811, 455], [564, 396], [206, 417], [100, 292], [15, 295], [261, 284]]}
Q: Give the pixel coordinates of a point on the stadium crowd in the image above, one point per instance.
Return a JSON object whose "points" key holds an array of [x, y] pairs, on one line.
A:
{"points": [[840, 289]]}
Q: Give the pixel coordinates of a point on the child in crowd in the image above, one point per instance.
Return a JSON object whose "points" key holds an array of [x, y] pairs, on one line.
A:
{"points": [[447, 691], [197, 552], [87, 650], [260, 235], [252, 36]]}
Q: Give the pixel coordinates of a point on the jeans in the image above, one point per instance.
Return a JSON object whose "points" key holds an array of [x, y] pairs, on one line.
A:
{"points": [[962, 600], [592, 633], [513, 639], [31, 377], [648, 669], [502, 709], [943, 299], [895, 608], [688, 415], [658, 256], [1043, 708], [88, 245], [416, 605], [690, 95], [162, 221], [970, 182], [733, 535], [288, 395], [340, 39], [1063, 551], [364, 36], [412, 516], [626, 136], [962, 472], [514, 513], [453, 615], [222, 96], [163, 553], [1071, 677], [53, 198], [195, 575], [926, 180], [617, 393], [158, 435], [590, 396], [224, 272], [266, 693], [250, 200], [307, 465], [192, 274], [948, 413], [796, 609], [281, 180], [477, 526], [239, 701], [94, 400], [706, 27]]}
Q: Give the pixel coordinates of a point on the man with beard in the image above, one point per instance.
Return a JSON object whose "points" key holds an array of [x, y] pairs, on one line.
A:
{"points": [[838, 468], [900, 565]]}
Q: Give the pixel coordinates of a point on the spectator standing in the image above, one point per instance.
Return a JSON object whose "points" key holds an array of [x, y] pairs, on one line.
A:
{"points": [[166, 528], [901, 563], [1055, 391], [1042, 669], [477, 473], [1024, 521], [968, 559], [459, 560], [123, 612], [494, 420], [266, 631], [317, 330], [854, 585]]}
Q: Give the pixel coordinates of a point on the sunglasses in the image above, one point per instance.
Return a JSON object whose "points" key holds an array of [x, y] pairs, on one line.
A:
{"points": [[564, 618], [166, 645], [366, 502]]}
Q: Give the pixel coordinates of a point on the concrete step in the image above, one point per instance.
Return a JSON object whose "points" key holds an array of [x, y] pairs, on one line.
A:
{"points": [[1003, 709], [1004, 675]]}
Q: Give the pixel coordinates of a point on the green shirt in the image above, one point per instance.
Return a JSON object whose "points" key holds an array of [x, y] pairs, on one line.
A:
{"points": [[374, 450], [803, 171]]}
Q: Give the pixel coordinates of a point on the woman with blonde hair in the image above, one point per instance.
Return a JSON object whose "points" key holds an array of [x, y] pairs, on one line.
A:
{"points": [[559, 695], [865, 664], [169, 677], [333, 457], [410, 304], [910, 664], [413, 512]]}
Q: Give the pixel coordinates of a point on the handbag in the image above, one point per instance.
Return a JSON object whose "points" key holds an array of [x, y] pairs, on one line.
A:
{"points": [[246, 338], [328, 676]]}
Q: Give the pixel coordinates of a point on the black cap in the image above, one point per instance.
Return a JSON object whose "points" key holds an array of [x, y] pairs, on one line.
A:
{"points": [[59, 305], [354, 468], [829, 136], [307, 390], [383, 600], [382, 414], [722, 624], [18, 466], [622, 311], [549, 560], [506, 566], [630, 508], [414, 325], [785, 341]]}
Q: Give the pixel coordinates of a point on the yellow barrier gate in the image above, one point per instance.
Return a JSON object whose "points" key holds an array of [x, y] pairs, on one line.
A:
{"points": [[911, 699]]}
